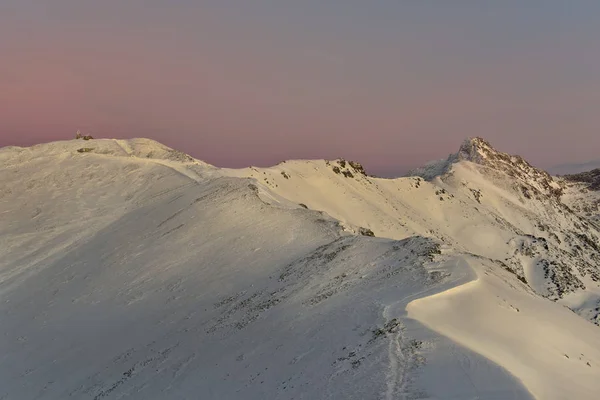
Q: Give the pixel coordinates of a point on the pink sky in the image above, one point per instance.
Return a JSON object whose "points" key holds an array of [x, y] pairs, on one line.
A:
{"points": [[237, 83]]}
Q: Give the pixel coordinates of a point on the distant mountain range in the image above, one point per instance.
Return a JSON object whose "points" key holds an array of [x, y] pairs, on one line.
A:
{"points": [[574, 168], [591, 178], [132, 270]]}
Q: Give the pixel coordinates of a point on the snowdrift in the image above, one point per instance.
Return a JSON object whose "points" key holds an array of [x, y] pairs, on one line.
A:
{"points": [[133, 270]]}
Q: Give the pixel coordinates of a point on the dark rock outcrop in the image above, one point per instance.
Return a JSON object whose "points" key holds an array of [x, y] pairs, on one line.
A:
{"points": [[591, 178]]}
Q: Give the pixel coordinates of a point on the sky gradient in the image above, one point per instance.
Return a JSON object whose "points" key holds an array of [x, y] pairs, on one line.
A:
{"points": [[389, 83]]}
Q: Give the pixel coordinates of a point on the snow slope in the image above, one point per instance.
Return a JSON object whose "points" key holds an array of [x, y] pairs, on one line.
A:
{"points": [[519, 331], [133, 270], [486, 203]]}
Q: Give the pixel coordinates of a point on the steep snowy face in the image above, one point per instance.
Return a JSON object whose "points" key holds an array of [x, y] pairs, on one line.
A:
{"points": [[555, 248], [476, 150], [479, 200], [481, 152], [537, 182], [129, 269], [146, 278]]}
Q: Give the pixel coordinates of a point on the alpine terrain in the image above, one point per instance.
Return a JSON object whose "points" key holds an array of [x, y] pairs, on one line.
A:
{"points": [[132, 270]]}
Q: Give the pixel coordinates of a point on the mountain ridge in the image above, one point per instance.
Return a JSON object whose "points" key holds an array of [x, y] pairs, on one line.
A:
{"points": [[591, 178], [196, 274], [574, 168]]}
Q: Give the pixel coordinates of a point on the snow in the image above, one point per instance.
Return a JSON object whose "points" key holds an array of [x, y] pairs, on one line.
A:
{"points": [[518, 331], [136, 271]]}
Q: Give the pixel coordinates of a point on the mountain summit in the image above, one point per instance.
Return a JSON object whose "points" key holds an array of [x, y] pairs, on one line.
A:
{"points": [[490, 161], [129, 269], [476, 150]]}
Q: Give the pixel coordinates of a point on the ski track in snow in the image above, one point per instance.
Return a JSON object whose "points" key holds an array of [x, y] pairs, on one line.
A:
{"points": [[398, 361], [397, 376], [223, 294]]}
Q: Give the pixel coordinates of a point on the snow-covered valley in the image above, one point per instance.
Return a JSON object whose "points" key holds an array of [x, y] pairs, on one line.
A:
{"points": [[130, 270]]}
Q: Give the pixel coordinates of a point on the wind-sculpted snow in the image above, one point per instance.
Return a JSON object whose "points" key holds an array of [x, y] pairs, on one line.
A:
{"points": [[136, 271], [547, 347], [484, 202]]}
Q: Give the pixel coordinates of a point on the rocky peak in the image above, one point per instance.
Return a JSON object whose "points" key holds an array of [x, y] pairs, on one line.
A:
{"points": [[475, 150], [480, 151], [533, 182]]}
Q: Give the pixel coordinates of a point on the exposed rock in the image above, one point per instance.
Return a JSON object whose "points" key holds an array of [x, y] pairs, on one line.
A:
{"points": [[79, 135], [357, 167], [479, 151], [347, 168], [365, 232], [591, 178]]}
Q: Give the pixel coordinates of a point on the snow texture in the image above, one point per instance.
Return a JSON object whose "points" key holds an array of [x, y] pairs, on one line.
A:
{"points": [[131, 270]]}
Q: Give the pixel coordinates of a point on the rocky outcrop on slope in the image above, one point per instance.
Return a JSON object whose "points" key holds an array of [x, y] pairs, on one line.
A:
{"points": [[583, 194], [347, 168], [550, 270], [590, 178]]}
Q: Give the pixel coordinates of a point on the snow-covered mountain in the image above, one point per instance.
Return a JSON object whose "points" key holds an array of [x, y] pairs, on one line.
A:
{"points": [[589, 178], [128, 269], [582, 193]]}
